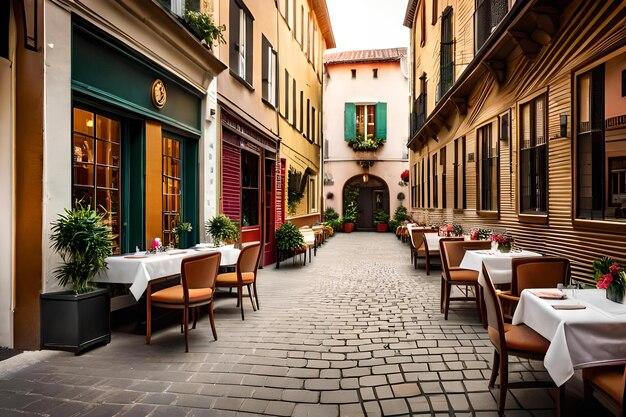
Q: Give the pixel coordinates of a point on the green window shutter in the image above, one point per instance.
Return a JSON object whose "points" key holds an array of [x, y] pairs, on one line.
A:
{"points": [[349, 125], [381, 120]]}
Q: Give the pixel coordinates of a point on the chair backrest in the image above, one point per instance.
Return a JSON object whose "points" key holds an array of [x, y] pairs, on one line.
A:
{"points": [[417, 238], [200, 271], [248, 260], [495, 320], [539, 272], [453, 250]]}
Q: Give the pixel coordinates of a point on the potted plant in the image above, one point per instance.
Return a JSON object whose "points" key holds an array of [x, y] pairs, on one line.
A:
{"points": [[203, 26], [179, 229], [381, 219], [351, 208], [289, 240], [222, 230], [77, 319], [610, 275]]}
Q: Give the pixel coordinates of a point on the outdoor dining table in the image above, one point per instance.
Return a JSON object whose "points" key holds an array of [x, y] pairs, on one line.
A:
{"points": [[585, 329], [140, 269], [498, 264]]}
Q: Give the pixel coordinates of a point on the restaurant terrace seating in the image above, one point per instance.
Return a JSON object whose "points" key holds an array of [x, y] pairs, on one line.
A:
{"points": [[196, 289], [507, 339], [608, 385], [452, 252], [535, 272], [244, 275]]}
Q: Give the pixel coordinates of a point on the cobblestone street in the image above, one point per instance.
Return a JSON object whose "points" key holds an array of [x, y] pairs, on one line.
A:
{"points": [[356, 332]]}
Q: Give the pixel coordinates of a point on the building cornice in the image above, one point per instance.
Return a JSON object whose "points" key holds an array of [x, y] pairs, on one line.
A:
{"points": [[323, 19]]}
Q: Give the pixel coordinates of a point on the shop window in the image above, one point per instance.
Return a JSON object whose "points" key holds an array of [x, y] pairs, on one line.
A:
{"points": [[172, 187], [488, 169], [533, 157], [365, 119], [459, 173], [600, 147], [249, 189], [240, 41], [269, 70], [96, 167]]}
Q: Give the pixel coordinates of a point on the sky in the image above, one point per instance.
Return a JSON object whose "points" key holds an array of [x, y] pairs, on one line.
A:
{"points": [[368, 24]]}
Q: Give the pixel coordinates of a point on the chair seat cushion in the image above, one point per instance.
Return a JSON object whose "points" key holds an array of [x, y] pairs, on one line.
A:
{"points": [[609, 379], [174, 295], [463, 275], [520, 337], [230, 278]]}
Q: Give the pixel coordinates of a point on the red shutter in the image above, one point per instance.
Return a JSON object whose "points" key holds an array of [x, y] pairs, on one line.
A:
{"points": [[280, 212], [231, 182]]}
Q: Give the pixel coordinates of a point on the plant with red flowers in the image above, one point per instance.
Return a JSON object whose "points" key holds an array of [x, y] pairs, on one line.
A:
{"points": [[504, 241], [480, 234], [610, 275], [405, 176]]}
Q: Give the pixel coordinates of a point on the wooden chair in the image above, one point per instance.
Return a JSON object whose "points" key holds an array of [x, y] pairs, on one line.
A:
{"points": [[197, 276], [452, 251], [507, 339], [535, 272], [244, 275], [418, 248], [608, 385]]}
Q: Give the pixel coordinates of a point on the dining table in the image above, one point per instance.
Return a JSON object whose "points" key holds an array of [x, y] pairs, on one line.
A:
{"points": [[584, 328], [139, 269], [498, 264]]}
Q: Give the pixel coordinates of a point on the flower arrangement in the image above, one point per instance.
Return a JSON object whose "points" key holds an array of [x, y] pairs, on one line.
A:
{"points": [[445, 230], [156, 246], [480, 234], [611, 276], [457, 230], [504, 241], [366, 143], [404, 177]]}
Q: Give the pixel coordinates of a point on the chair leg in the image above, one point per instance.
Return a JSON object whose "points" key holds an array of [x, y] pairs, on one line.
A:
{"points": [[186, 325], [494, 368], [479, 309], [504, 384], [212, 320], [442, 296], [251, 299], [415, 261], [148, 315], [427, 263], [560, 400], [256, 295], [240, 300], [194, 314], [446, 307]]}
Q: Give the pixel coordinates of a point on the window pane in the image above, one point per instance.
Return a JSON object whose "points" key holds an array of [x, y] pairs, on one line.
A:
{"points": [[371, 120], [107, 129], [83, 122], [360, 120], [107, 153], [83, 148]]}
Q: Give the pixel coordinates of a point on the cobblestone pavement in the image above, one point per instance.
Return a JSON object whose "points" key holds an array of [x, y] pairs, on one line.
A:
{"points": [[356, 332]]}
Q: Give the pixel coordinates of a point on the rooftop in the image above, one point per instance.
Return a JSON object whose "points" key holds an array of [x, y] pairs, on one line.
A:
{"points": [[366, 55]]}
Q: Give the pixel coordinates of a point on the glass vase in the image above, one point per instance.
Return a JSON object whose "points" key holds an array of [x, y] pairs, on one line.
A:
{"points": [[615, 293], [504, 247]]}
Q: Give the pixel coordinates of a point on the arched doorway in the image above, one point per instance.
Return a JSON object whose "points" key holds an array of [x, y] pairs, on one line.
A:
{"points": [[373, 195]]}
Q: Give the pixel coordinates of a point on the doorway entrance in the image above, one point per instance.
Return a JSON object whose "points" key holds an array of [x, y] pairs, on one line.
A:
{"points": [[373, 195]]}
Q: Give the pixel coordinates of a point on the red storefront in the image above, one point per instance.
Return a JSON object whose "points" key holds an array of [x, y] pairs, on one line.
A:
{"points": [[252, 178]]}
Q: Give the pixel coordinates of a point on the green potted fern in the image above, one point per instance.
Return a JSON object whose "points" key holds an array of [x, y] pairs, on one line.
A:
{"points": [[78, 318], [222, 230]]}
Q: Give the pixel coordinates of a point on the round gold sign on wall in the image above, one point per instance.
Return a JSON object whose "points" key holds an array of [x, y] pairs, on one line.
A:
{"points": [[159, 94]]}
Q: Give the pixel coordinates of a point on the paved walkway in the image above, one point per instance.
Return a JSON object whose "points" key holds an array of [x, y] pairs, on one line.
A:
{"points": [[356, 332]]}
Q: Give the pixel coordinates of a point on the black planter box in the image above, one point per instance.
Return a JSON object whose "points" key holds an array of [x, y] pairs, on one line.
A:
{"points": [[75, 322]]}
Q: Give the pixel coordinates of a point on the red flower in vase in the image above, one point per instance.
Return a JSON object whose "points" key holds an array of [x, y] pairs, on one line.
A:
{"points": [[405, 175], [604, 282]]}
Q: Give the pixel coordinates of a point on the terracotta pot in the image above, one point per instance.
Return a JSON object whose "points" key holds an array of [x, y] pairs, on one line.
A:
{"points": [[348, 227], [381, 227]]}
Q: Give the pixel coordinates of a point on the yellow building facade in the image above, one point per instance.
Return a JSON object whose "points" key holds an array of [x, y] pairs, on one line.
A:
{"points": [[518, 122]]}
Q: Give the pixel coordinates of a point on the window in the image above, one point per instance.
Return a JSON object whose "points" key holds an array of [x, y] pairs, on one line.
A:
{"points": [[240, 40], [302, 27], [286, 14], [308, 118], [435, 168], [533, 157], [314, 122], [600, 149], [96, 167], [308, 36], [488, 14], [428, 182], [314, 45], [375, 72], [365, 119], [488, 169], [269, 70], [446, 63], [179, 7], [312, 194], [422, 14], [434, 13], [172, 188], [287, 85], [249, 189], [442, 162], [294, 91], [295, 20], [423, 188], [353, 71], [459, 173], [301, 111], [414, 185]]}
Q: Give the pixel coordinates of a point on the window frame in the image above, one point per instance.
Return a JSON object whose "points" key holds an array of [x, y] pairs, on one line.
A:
{"points": [[269, 74], [242, 69], [460, 173], [479, 180], [529, 216]]}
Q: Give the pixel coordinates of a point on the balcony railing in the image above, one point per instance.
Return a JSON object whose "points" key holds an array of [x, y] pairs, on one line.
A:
{"points": [[488, 14]]}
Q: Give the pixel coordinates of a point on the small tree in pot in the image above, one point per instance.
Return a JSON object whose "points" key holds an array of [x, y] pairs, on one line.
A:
{"points": [[381, 218], [77, 319], [222, 230]]}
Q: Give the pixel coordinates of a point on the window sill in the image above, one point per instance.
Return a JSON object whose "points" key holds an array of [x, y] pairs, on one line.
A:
{"points": [[241, 80], [269, 104], [599, 226], [532, 218], [458, 211], [488, 214]]}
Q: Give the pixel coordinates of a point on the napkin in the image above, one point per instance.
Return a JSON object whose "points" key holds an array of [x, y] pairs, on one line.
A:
{"points": [[549, 293], [135, 256], [569, 306]]}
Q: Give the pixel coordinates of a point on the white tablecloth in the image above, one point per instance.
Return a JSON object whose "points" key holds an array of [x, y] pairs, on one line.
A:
{"points": [[499, 265], [138, 271], [578, 338]]}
